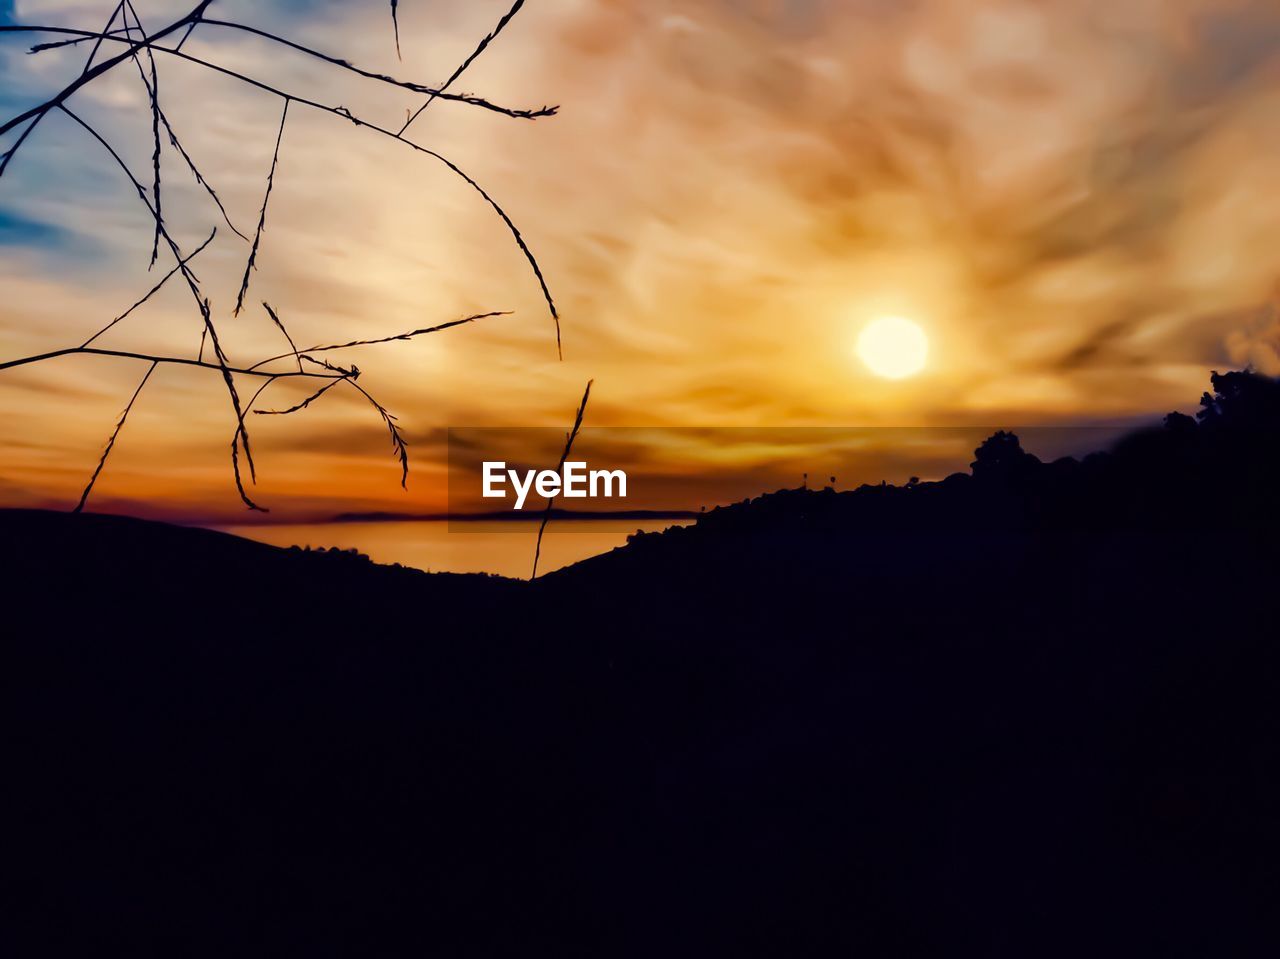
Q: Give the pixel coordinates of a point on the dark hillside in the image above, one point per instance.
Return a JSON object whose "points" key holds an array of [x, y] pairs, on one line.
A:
{"points": [[1033, 710]]}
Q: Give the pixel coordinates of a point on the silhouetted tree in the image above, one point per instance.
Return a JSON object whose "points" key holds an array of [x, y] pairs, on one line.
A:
{"points": [[1180, 424], [1240, 398], [1001, 456]]}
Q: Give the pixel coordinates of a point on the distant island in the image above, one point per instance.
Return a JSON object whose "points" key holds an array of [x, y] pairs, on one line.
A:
{"points": [[508, 516]]}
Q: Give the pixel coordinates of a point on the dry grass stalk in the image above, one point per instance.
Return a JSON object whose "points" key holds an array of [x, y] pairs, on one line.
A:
{"points": [[125, 28], [84, 497], [262, 216], [484, 45], [568, 446]]}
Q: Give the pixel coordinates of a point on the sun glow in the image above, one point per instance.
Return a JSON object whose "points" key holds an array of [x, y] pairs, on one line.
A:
{"points": [[893, 347]]}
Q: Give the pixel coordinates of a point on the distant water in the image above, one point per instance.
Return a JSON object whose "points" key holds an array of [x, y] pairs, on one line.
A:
{"points": [[440, 547]]}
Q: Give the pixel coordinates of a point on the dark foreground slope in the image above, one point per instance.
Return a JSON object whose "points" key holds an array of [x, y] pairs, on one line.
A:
{"points": [[1029, 711]]}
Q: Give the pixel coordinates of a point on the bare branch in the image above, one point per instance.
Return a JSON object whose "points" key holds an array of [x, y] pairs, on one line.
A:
{"points": [[225, 368], [155, 289], [84, 497], [8, 154], [385, 339], [124, 9], [347, 115], [153, 90], [262, 218], [353, 371], [533, 113], [258, 392], [191, 165], [568, 445], [97, 43], [137, 186], [433, 92], [37, 113], [395, 25], [187, 35], [515, 8], [235, 468], [397, 441], [134, 37], [305, 403], [174, 249], [154, 358], [275, 318], [107, 33]]}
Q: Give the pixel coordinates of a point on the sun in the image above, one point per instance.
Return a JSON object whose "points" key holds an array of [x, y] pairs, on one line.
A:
{"points": [[893, 347]]}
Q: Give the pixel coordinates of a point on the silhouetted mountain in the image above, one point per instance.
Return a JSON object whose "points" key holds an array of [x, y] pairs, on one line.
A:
{"points": [[1215, 474], [1030, 710]]}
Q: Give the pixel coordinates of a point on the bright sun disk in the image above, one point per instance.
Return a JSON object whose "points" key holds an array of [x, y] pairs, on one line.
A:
{"points": [[893, 347]]}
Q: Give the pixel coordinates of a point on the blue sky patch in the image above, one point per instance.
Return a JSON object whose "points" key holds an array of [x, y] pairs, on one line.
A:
{"points": [[56, 247], [19, 231]]}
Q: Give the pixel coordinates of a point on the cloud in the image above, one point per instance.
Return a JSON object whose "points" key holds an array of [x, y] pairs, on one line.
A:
{"points": [[1256, 342]]}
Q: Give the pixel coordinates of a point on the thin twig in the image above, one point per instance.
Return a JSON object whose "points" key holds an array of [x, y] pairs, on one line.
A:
{"points": [[224, 366], [519, 113], [154, 358], [39, 112], [84, 497], [347, 115], [191, 165], [568, 445], [241, 433], [305, 403], [349, 371], [262, 216], [174, 249], [325, 370], [187, 36], [192, 283], [8, 154], [153, 93], [258, 392], [107, 31], [275, 318], [154, 90], [397, 441], [395, 25], [433, 92], [201, 303], [515, 8], [154, 290], [385, 339], [123, 9], [235, 468]]}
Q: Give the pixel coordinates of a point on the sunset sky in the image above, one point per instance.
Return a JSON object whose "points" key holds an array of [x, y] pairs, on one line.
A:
{"points": [[1076, 201]]}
